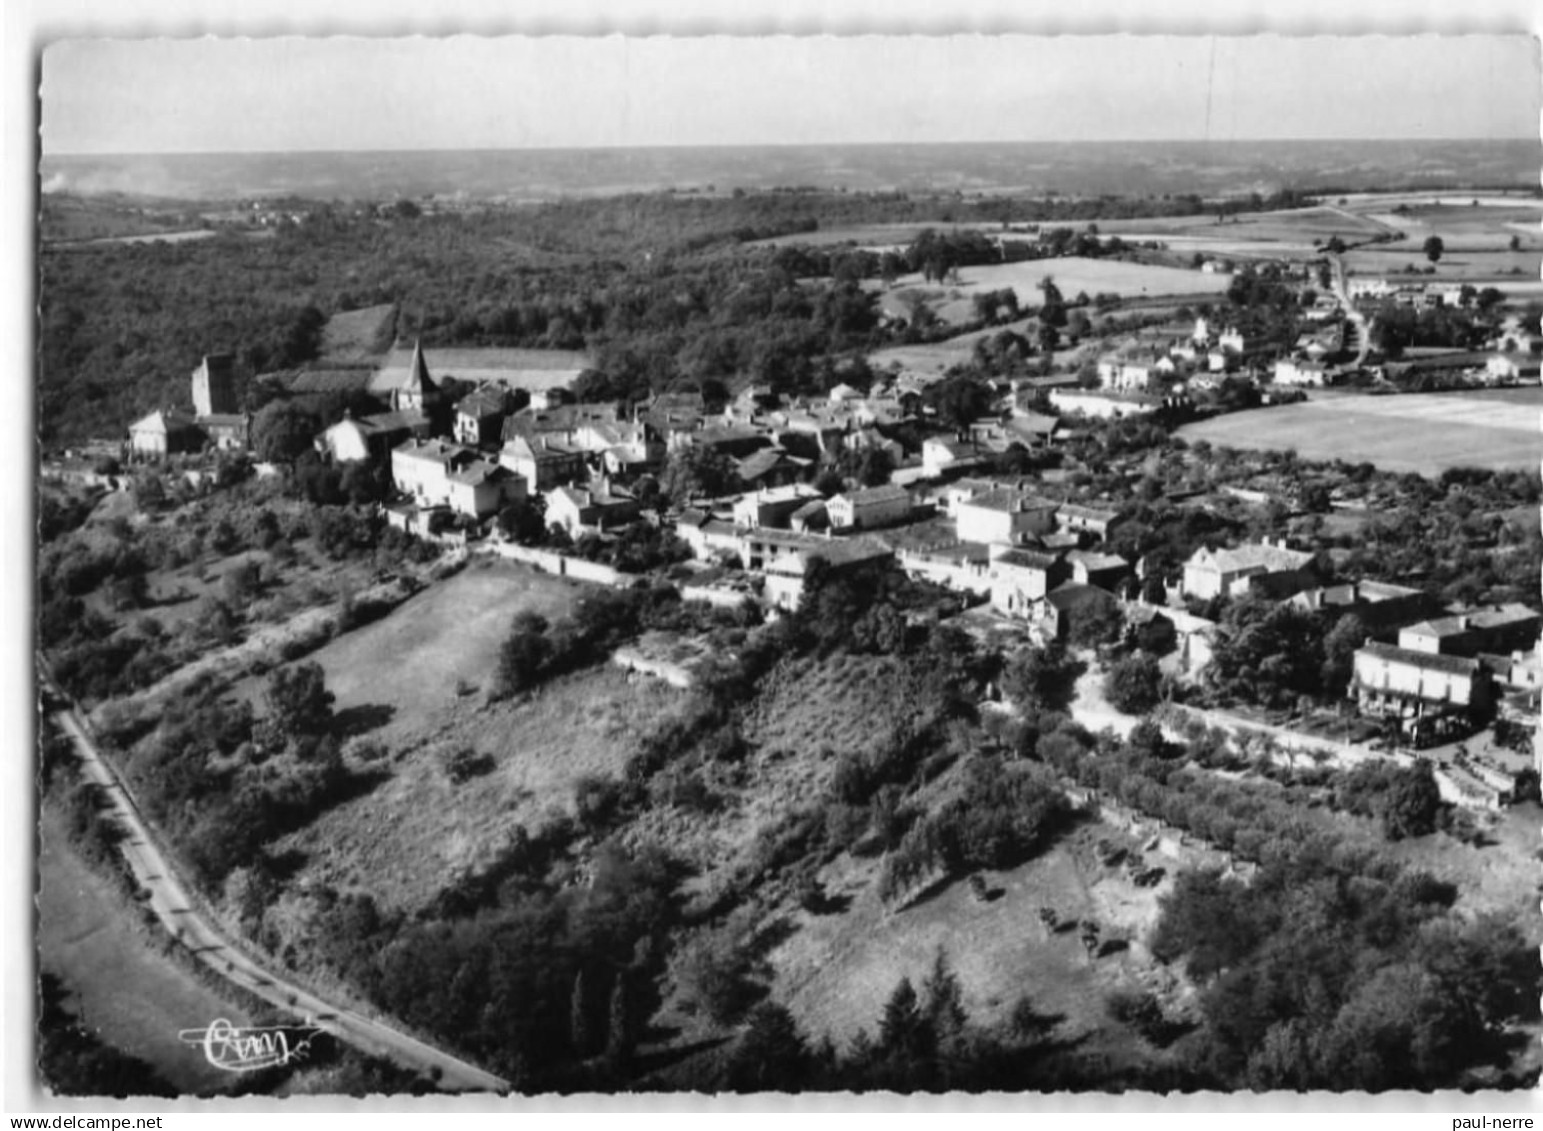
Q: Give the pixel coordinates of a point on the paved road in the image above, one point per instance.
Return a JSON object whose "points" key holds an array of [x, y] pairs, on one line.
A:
{"points": [[180, 915]]}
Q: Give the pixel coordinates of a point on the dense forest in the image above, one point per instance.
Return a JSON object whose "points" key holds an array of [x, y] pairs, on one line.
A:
{"points": [[656, 287]]}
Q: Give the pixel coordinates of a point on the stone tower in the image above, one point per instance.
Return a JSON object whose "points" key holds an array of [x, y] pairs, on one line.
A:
{"points": [[214, 386]]}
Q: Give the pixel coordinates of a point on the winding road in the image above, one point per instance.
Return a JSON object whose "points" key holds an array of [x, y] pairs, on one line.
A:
{"points": [[186, 922]]}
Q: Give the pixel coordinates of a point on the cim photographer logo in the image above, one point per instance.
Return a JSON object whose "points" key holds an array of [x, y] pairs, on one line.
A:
{"points": [[234, 1049]]}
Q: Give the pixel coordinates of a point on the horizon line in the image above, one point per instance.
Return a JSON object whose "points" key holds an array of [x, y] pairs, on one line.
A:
{"points": [[782, 145]]}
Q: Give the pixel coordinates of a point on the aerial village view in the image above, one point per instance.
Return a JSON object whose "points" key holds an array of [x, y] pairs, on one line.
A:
{"points": [[746, 635]]}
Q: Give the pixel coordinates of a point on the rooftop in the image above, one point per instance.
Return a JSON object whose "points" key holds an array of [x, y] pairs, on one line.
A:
{"points": [[1008, 500], [1428, 661], [487, 400], [1096, 562], [1027, 559], [1250, 556], [437, 451], [887, 493], [316, 381]]}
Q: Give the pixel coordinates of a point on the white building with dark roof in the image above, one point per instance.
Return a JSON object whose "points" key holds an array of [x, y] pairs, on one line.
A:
{"points": [[1003, 516], [868, 508], [1231, 573], [421, 469]]}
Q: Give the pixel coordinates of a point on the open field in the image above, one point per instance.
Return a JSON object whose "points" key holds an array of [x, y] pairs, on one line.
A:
{"points": [[1073, 274], [1296, 226], [413, 834], [397, 681], [518, 368], [413, 660], [835, 972], [935, 357], [1461, 263], [1500, 877], [874, 237], [131, 994], [954, 303], [1425, 433], [1457, 222], [353, 335]]}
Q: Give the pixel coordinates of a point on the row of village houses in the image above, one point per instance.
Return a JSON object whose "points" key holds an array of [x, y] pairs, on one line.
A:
{"points": [[1206, 357], [1033, 559]]}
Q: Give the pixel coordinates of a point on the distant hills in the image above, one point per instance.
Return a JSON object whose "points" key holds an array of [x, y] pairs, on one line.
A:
{"points": [[1221, 168]]}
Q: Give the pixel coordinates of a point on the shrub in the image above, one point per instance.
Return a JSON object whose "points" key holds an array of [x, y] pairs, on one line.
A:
{"points": [[1133, 684], [463, 763]]}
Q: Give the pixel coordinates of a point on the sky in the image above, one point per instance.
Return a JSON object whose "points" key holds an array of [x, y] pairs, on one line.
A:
{"points": [[315, 93]]}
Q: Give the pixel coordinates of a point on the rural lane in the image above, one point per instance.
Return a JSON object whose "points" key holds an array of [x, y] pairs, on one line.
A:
{"points": [[1363, 326], [182, 918]]}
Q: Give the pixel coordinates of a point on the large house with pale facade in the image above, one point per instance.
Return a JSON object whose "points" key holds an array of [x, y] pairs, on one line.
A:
{"points": [[1432, 696], [434, 473], [1004, 516], [1232, 573]]}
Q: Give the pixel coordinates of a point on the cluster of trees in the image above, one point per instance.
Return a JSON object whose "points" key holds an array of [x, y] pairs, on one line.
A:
{"points": [[548, 983], [1001, 817], [1397, 327], [1404, 799], [1335, 970], [924, 1040], [222, 782], [639, 548], [537, 650], [1272, 653], [1456, 536]]}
